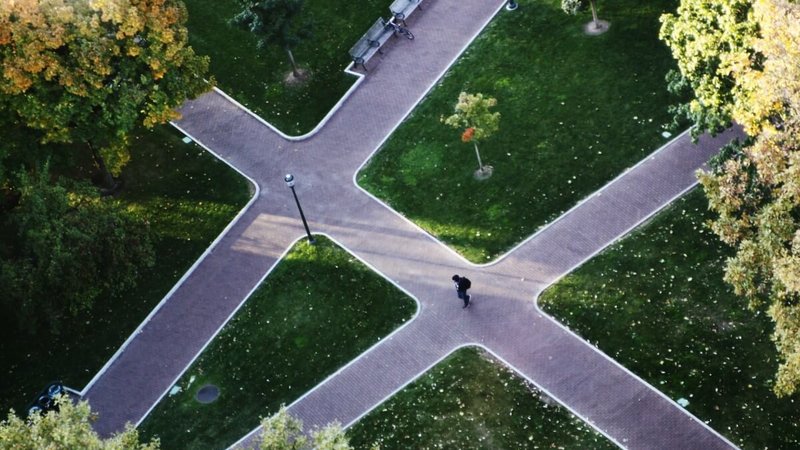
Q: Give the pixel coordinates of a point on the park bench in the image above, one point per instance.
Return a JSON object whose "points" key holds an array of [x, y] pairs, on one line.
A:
{"points": [[371, 42], [401, 9]]}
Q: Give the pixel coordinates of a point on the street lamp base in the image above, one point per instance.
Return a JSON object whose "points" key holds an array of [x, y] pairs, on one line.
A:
{"points": [[511, 6], [484, 172]]}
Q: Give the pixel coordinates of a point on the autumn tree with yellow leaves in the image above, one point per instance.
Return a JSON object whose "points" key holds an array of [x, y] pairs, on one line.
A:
{"points": [[742, 60], [88, 72], [70, 427]]}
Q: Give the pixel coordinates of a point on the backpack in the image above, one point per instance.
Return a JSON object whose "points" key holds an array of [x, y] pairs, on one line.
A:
{"points": [[467, 283]]}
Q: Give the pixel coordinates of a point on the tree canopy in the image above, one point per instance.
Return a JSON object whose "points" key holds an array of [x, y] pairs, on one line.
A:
{"points": [[284, 432], [473, 115], [711, 41], [742, 60], [274, 22], [71, 246], [88, 72], [68, 428]]}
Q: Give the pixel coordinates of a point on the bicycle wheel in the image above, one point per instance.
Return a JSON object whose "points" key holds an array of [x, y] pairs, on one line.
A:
{"points": [[407, 33]]}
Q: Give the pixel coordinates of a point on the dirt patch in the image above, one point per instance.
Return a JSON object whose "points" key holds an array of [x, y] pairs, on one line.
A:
{"points": [[484, 172], [302, 77], [594, 29]]}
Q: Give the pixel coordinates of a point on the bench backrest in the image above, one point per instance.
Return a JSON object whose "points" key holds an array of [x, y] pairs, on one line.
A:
{"points": [[376, 30], [369, 38], [400, 6]]}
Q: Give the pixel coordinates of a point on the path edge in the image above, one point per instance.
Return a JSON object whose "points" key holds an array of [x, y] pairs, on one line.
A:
{"points": [[518, 372], [189, 272], [542, 228], [255, 288], [336, 107], [596, 349]]}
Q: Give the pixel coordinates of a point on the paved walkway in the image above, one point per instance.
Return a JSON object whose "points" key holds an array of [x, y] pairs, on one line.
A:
{"points": [[504, 318]]}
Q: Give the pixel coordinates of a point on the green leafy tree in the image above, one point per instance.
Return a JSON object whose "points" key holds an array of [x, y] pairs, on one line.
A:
{"points": [[274, 22], [473, 116], [573, 7], [284, 432], [72, 246], [68, 428], [89, 72], [710, 41], [742, 61]]}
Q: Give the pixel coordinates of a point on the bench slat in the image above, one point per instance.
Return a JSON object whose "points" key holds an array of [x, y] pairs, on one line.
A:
{"points": [[371, 41], [401, 9]]}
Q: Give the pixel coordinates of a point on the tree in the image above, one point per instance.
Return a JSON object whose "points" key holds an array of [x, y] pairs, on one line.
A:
{"points": [[89, 72], [273, 22], [72, 246], [745, 65], [473, 115], [710, 42], [573, 7], [68, 428], [756, 190], [284, 432]]}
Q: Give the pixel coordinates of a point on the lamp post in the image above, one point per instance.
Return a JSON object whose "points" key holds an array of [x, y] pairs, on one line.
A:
{"points": [[511, 5], [289, 179]]}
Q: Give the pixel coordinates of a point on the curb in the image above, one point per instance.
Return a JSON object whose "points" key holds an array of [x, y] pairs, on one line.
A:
{"points": [[188, 273]]}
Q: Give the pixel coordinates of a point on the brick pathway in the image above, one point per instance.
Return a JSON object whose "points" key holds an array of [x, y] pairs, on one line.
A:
{"points": [[504, 318]]}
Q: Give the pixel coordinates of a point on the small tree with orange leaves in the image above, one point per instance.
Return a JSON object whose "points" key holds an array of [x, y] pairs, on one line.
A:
{"points": [[472, 113]]}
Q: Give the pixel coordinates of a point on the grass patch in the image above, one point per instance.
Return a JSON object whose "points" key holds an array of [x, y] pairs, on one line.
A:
{"points": [[317, 310], [575, 112], [188, 196], [255, 78], [471, 401], [656, 303]]}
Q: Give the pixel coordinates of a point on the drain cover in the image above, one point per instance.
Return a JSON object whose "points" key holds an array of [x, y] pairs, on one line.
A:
{"points": [[207, 394]]}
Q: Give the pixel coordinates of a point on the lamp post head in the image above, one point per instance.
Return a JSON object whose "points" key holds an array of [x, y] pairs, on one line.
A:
{"points": [[289, 179]]}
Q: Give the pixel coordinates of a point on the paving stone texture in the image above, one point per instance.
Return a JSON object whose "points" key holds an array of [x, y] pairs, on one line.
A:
{"points": [[503, 318]]}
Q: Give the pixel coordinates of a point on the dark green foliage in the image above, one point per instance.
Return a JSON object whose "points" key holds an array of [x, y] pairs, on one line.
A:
{"points": [[469, 401], [69, 247], [576, 111], [703, 120], [316, 311], [187, 196], [656, 302], [709, 41], [273, 22]]}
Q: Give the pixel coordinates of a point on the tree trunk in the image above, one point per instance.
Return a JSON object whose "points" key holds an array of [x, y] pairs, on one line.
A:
{"points": [[594, 14], [291, 61], [478, 154], [106, 179]]}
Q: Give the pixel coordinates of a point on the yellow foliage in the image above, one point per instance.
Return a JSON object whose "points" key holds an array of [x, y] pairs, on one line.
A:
{"points": [[775, 91], [787, 339], [711, 41], [757, 192]]}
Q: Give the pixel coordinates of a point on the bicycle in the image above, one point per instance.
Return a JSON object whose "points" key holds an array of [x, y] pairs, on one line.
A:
{"points": [[401, 30]]}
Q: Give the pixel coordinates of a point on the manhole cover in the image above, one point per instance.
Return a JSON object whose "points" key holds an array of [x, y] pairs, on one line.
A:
{"points": [[207, 394]]}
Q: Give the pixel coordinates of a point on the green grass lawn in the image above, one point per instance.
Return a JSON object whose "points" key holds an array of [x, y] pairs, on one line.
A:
{"points": [[317, 310], [471, 401], [255, 78], [188, 196], [656, 303], [575, 112]]}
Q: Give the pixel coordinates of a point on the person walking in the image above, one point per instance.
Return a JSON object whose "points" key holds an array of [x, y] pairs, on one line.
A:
{"points": [[462, 284]]}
